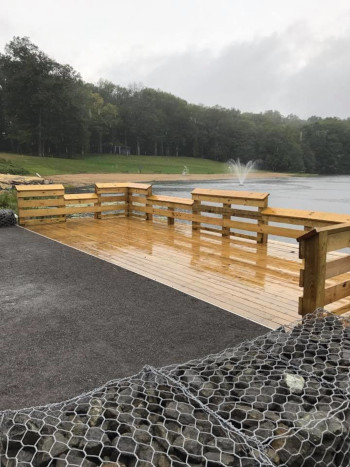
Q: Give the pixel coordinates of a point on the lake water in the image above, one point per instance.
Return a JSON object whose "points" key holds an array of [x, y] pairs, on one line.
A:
{"points": [[329, 194]]}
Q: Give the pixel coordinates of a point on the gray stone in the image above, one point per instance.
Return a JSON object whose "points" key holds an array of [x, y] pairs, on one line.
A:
{"points": [[187, 419], [25, 455], [193, 447], [179, 441], [161, 460], [79, 429], [207, 389], [173, 409], [319, 425], [17, 432], [144, 452], [95, 411], [228, 460], [59, 446], [72, 458], [41, 458], [193, 378], [225, 444], [295, 383], [190, 432], [212, 455], [93, 442], [126, 445], [142, 436]]}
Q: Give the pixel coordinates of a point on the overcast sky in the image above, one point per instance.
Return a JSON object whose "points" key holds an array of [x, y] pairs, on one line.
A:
{"points": [[253, 55]]}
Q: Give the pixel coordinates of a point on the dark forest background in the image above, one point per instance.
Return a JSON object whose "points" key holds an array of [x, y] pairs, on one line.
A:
{"points": [[46, 109]]}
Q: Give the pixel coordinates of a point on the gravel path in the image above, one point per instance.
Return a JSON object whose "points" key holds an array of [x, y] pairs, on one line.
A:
{"points": [[70, 322]]}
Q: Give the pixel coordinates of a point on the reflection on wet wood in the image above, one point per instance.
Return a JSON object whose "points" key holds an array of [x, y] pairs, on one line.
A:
{"points": [[259, 282]]}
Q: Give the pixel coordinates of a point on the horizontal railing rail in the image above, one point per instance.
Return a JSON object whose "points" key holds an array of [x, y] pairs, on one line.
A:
{"points": [[170, 207]]}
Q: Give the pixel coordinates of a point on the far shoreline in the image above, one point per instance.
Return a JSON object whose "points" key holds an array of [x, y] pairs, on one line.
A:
{"points": [[90, 179]]}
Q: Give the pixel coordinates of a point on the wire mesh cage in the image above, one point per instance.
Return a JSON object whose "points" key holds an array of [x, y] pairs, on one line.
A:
{"points": [[7, 218], [279, 400]]}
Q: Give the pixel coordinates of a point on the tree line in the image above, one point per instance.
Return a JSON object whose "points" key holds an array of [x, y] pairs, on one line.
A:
{"points": [[46, 109]]}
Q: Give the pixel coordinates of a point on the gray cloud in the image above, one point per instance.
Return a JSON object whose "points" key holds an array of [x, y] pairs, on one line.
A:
{"points": [[5, 30], [322, 86], [292, 72]]}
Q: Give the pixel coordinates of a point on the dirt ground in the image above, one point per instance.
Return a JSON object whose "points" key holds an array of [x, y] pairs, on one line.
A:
{"points": [[6, 180], [90, 179]]}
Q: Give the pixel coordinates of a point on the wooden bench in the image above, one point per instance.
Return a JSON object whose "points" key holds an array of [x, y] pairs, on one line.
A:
{"points": [[309, 219], [84, 198]]}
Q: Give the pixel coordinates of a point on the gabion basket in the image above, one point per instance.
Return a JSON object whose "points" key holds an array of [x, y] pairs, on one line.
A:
{"points": [[7, 218], [279, 400]]}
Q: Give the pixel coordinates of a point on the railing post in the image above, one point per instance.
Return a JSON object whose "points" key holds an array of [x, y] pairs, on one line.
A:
{"points": [[171, 220], [262, 237], [98, 204], [226, 216], [149, 215], [127, 202], [195, 211], [313, 249]]}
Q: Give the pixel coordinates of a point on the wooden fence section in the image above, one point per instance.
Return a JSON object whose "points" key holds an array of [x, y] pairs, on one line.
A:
{"points": [[138, 193], [314, 246], [206, 202], [39, 204], [170, 207], [122, 198]]}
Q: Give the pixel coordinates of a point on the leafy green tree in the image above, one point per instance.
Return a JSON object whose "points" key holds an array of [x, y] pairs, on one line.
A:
{"points": [[103, 119], [36, 98]]}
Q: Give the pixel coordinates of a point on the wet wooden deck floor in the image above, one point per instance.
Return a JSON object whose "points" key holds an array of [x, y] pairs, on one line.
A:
{"points": [[257, 282]]}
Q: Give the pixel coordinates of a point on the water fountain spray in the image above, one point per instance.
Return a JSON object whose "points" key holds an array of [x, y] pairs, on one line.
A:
{"points": [[241, 170]]}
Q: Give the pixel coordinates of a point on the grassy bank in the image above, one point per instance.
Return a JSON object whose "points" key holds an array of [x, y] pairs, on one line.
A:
{"points": [[108, 163], [8, 200]]}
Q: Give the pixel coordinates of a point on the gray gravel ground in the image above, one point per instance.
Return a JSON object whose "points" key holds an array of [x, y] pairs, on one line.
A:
{"points": [[70, 322]]}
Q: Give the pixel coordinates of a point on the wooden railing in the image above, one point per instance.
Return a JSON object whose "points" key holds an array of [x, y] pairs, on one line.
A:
{"points": [[314, 246], [170, 207], [224, 203], [224, 213], [127, 199], [228, 213], [46, 204]]}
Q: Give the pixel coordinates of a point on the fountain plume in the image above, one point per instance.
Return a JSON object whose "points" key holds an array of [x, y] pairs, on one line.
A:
{"points": [[241, 170]]}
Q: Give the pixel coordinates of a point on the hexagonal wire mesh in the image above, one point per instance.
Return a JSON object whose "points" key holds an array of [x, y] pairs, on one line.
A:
{"points": [[7, 218], [281, 399]]}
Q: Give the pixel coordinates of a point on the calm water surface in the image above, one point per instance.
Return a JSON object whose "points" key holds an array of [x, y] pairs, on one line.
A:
{"points": [[329, 193]]}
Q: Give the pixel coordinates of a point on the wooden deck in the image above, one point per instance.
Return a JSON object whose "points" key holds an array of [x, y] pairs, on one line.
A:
{"points": [[258, 282], [223, 255]]}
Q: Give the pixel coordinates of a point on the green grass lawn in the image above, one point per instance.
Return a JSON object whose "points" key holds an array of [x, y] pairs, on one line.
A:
{"points": [[108, 163]]}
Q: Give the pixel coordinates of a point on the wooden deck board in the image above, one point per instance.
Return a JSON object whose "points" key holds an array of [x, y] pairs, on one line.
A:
{"points": [[254, 281]]}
